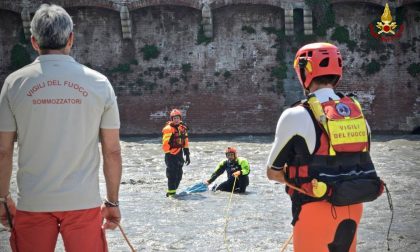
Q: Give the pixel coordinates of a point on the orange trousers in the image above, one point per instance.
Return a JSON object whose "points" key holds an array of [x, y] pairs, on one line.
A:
{"points": [[322, 227], [38, 231]]}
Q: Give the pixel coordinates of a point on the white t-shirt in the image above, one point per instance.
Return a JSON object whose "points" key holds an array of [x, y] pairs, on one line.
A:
{"points": [[57, 107], [293, 122]]}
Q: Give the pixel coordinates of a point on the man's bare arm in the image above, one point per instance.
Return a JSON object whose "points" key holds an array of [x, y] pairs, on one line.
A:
{"points": [[111, 151], [6, 161]]}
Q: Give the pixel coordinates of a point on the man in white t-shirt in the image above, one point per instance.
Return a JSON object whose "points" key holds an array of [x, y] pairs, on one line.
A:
{"points": [[58, 109]]}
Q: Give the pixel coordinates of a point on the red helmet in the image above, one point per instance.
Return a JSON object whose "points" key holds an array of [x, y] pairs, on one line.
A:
{"points": [[231, 150], [175, 112], [317, 59]]}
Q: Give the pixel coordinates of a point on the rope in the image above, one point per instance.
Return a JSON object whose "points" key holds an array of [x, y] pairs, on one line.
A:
{"points": [[227, 216], [391, 208], [298, 189], [9, 216], [286, 243], [125, 237]]}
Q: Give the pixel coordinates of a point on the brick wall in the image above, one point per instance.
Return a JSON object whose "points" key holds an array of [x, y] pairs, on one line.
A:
{"points": [[229, 88], [10, 31]]}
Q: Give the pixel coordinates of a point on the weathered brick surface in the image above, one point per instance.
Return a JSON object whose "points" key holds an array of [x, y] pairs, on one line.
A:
{"points": [[213, 103], [98, 40], [246, 101], [10, 30], [390, 97]]}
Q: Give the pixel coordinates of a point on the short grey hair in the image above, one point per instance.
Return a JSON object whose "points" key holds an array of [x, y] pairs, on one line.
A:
{"points": [[51, 26]]}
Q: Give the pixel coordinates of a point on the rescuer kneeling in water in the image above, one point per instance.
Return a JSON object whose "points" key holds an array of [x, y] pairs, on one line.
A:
{"points": [[323, 138], [236, 168], [174, 144]]}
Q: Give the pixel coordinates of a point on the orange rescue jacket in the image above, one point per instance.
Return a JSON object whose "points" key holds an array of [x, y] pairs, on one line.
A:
{"points": [[175, 137]]}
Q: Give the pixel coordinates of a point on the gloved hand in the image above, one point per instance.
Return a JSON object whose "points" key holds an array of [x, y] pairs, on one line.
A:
{"points": [[237, 174], [187, 156]]}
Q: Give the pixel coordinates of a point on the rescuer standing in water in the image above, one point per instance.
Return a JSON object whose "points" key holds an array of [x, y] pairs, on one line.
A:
{"points": [[175, 145]]}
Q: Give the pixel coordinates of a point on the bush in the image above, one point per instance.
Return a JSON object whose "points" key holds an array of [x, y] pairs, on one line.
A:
{"points": [[279, 72], [22, 38], [186, 68], [372, 67], [279, 87], [413, 69], [201, 37], [140, 82], [342, 36], [248, 29], [19, 57], [121, 68], [281, 36], [324, 17], [280, 55], [227, 74], [400, 15], [150, 52], [150, 86], [369, 43], [134, 62], [302, 39], [173, 80]]}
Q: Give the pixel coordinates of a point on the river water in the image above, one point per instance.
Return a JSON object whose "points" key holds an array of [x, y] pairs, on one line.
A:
{"points": [[257, 221]]}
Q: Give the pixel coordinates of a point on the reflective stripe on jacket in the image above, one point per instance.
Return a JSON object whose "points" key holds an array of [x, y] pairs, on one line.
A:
{"points": [[240, 164]]}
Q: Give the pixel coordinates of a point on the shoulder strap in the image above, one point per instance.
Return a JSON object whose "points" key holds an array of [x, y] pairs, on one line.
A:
{"points": [[316, 108], [300, 102], [319, 114]]}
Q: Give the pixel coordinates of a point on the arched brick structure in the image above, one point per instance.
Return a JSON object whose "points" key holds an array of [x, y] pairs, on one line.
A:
{"points": [[397, 3], [220, 3], [10, 6], [375, 2], [17, 6], [107, 4], [234, 60], [406, 2], [146, 3]]}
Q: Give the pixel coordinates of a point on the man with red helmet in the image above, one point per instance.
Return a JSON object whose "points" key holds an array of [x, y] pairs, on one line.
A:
{"points": [[175, 144], [235, 167], [323, 138]]}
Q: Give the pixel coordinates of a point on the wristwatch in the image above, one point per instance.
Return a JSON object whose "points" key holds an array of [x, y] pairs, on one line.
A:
{"points": [[108, 203]]}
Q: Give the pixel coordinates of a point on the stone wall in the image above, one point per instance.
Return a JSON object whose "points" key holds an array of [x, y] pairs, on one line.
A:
{"points": [[228, 88], [10, 33], [227, 85], [390, 97]]}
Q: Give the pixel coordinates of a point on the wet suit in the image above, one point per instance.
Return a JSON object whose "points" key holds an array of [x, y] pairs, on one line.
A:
{"points": [[318, 225], [239, 164]]}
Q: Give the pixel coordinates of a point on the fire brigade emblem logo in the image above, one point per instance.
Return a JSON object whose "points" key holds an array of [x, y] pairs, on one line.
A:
{"points": [[386, 30], [343, 109], [386, 25]]}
